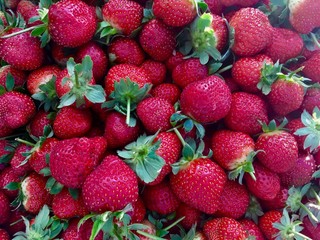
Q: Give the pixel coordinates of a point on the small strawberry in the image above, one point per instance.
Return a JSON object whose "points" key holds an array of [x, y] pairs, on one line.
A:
{"points": [[191, 215], [114, 179], [253, 31], [167, 91], [4, 235], [18, 75], [252, 230], [311, 69], [156, 71], [4, 208], [266, 224], [311, 99]]}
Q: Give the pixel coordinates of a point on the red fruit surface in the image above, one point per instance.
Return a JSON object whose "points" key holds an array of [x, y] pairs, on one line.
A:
{"points": [[266, 221], [293, 126], [84, 232], [17, 160], [38, 122], [4, 208], [28, 9], [156, 71], [7, 176], [311, 99], [4, 235], [191, 215], [278, 202], [139, 211], [173, 61], [311, 69], [215, 6], [167, 91], [242, 3], [251, 229], [18, 75]]}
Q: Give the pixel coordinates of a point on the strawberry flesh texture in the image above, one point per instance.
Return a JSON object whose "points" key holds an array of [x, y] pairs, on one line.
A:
{"points": [[242, 3], [278, 202], [139, 211], [28, 10]]}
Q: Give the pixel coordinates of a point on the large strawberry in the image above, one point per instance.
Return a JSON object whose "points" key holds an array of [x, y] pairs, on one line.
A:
{"points": [[111, 186]]}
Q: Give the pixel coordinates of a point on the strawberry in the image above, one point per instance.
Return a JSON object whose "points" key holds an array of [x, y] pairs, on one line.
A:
{"points": [[191, 215], [84, 232], [71, 122], [98, 57], [64, 206], [174, 60], [71, 23], [4, 208], [114, 179], [245, 113], [286, 44], [311, 69], [267, 183], [189, 71], [4, 235], [41, 76], [15, 224], [311, 229], [234, 201], [33, 56], [160, 198], [125, 50], [303, 15], [245, 3], [279, 202], [72, 160], [161, 47], [38, 122], [11, 3], [156, 71], [17, 163], [117, 132], [28, 10], [18, 75], [167, 91], [252, 230], [266, 224], [215, 6], [124, 16], [253, 32], [139, 211], [293, 126], [301, 173], [61, 54], [155, 113], [175, 13], [207, 100], [278, 148], [311, 99], [7, 176], [224, 228]]}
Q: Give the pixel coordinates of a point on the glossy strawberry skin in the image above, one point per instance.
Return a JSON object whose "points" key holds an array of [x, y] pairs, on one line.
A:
{"points": [[17, 160], [139, 211], [253, 32], [251, 229], [245, 3], [199, 184], [207, 100], [71, 23], [4, 208], [38, 122], [311, 99], [156, 71], [266, 221], [191, 215], [311, 69], [279, 202], [293, 126], [4, 235], [174, 60], [7, 176], [28, 10], [18, 75], [114, 179], [167, 91]]}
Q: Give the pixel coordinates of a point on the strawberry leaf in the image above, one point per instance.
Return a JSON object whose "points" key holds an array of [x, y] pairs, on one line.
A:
{"points": [[269, 74], [9, 82]]}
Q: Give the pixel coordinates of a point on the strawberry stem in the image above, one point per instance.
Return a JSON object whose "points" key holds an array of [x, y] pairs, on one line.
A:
{"points": [[128, 111], [179, 136], [23, 31], [174, 224], [310, 214], [76, 79], [222, 70], [25, 142]]}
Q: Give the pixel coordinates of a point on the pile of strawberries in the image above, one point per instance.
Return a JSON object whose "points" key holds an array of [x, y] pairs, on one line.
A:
{"points": [[163, 119]]}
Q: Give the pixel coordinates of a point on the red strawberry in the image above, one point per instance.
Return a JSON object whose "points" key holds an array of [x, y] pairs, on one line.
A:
{"points": [[84, 232], [293, 126], [303, 15], [253, 32], [123, 15], [278, 148], [266, 223], [279, 202], [72, 160], [161, 47], [155, 113], [139, 211], [61, 54], [175, 13], [28, 10], [71, 122], [234, 200], [215, 6], [267, 183], [15, 224], [189, 71], [156, 71], [26, 53], [245, 113], [7, 176], [286, 44], [311, 69], [125, 50], [311, 99], [207, 100], [242, 3], [18, 75], [191, 215], [38, 122], [4, 235], [251, 229], [224, 228], [167, 91], [160, 198], [4, 208], [17, 162], [175, 59], [310, 229], [41, 76], [98, 57], [111, 186], [71, 23]]}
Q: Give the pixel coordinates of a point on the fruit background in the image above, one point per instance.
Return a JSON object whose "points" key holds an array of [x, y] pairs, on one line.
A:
{"points": [[163, 119]]}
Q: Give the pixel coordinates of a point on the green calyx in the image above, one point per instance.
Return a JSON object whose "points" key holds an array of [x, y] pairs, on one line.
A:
{"points": [[10, 148], [125, 98], [269, 74], [311, 129], [142, 157], [272, 126], [107, 31], [79, 78], [9, 84], [254, 210], [52, 185]]}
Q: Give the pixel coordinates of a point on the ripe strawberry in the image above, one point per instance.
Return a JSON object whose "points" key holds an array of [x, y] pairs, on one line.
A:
{"points": [[300, 173], [27, 53], [189, 71], [310, 229], [125, 16], [252, 230], [175, 59], [311, 69], [245, 3], [266, 223], [279, 202], [71, 122], [278, 148], [253, 32], [161, 47], [117, 132], [191, 215], [160, 198], [18, 75], [245, 113], [124, 71], [156, 71], [7, 176], [224, 228], [139, 211], [111, 186], [175, 13], [303, 15], [98, 57], [4, 235], [293, 126], [207, 100], [155, 113], [38, 122], [17, 162], [234, 201], [286, 44], [41, 76], [84, 232], [167, 91], [14, 223], [311, 99], [72, 160], [28, 10], [4, 208], [215, 6], [125, 50], [61, 54], [267, 183], [71, 23]]}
